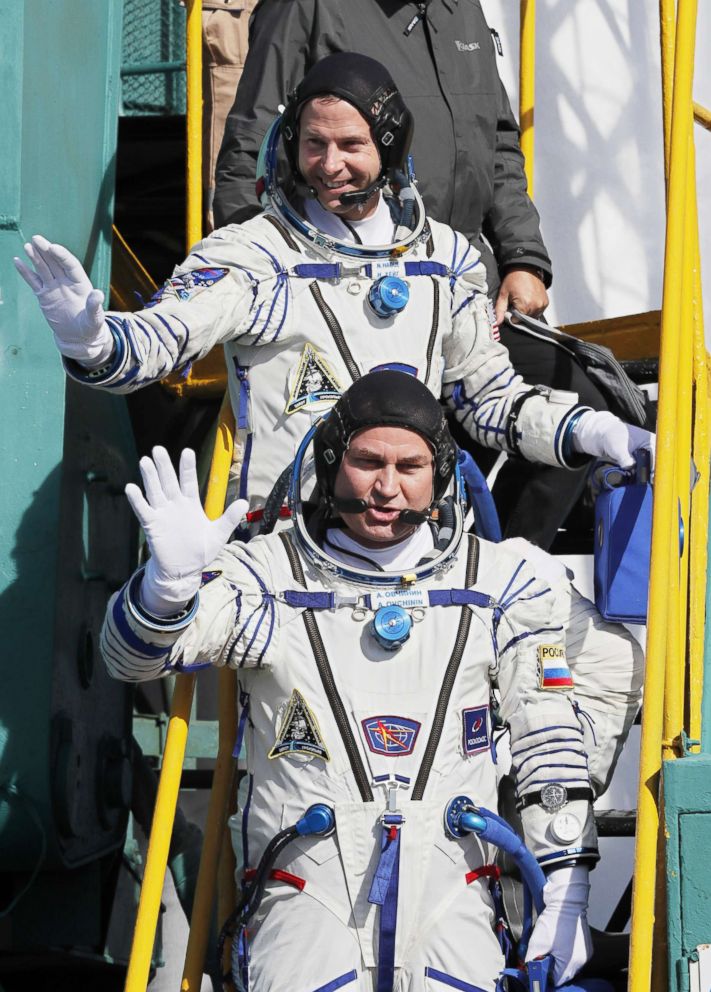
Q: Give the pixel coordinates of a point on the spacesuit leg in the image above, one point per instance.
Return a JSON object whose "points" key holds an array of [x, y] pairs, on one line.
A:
{"points": [[456, 948], [300, 946]]}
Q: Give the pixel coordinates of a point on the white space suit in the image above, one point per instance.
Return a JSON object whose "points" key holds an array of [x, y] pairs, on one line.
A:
{"points": [[298, 329], [369, 728]]}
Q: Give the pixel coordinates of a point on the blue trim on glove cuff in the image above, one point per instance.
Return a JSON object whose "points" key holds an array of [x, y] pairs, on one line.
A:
{"points": [[569, 856], [96, 377], [179, 621], [564, 449]]}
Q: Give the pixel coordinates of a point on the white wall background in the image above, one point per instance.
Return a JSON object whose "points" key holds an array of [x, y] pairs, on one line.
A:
{"points": [[599, 172]]}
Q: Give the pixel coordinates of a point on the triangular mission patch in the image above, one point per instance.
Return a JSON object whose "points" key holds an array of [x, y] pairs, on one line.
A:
{"points": [[315, 386], [299, 731]]}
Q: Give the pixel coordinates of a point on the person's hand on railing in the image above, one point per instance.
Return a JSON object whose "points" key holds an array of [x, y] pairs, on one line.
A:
{"points": [[182, 539], [602, 434], [70, 304], [562, 928]]}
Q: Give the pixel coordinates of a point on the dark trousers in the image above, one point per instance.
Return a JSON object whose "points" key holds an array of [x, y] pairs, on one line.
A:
{"points": [[534, 500]]}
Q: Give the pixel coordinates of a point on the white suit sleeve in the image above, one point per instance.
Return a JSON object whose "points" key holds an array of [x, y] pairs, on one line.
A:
{"points": [[606, 662], [608, 670], [234, 620], [491, 401], [231, 286], [537, 702]]}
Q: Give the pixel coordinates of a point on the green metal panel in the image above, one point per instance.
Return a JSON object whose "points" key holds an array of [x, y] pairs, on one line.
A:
{"points": [[60, 74], [687, 816]]}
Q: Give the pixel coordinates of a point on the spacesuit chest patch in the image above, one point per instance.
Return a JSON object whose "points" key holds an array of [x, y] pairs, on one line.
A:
{"points": [[475, 723], [313, 386], [187, 285], [553, 668], [299, 732], [392, 736]]}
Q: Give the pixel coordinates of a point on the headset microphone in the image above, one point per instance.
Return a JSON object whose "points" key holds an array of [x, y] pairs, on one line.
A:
{"points": [[344, 505], [415, 517], [358, 197]]}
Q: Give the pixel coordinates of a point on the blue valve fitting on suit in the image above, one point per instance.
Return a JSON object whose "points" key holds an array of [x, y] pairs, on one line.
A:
{"points": [[391, 627], [388, 296], [318, 819], [461, 818]]}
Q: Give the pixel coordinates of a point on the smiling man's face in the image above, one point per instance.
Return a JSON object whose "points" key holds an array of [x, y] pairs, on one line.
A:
{"points": [[337, 155], [391, 469]]}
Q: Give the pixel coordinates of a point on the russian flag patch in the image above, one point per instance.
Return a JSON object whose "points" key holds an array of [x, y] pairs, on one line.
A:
{"points": [[553, 668]]}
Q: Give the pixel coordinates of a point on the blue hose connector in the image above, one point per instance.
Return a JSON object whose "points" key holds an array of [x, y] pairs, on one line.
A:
{"points": [[318, 819]]}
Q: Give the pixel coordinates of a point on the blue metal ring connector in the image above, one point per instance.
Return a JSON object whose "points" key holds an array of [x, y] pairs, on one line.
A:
{"points": [[461, 819], [388, 296], [391, 627]]}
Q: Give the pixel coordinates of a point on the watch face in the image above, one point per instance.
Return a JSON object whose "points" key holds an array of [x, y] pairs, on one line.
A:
{"points": [[565, 828], [553, 796]]}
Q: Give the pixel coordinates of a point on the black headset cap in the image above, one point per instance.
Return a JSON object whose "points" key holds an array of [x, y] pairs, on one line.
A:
{"points": [[384, 399], [369, 87]]}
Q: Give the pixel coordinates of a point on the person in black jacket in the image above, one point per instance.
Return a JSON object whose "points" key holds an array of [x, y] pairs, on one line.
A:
{"points": [[469, 168]]}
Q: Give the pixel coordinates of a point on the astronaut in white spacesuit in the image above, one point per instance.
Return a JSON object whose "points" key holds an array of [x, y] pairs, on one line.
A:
{"points": [[378, 650], [341, 274]]}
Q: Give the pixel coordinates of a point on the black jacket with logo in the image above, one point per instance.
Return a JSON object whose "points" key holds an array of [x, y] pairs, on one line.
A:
{"points": [[442, 56]]}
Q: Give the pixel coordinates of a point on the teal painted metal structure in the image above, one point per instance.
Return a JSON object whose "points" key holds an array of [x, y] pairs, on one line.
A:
{"points": [[65, 538], [60, 98]]}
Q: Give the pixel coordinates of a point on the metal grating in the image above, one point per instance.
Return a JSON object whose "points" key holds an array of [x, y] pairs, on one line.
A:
{"points": [[153, 58]]}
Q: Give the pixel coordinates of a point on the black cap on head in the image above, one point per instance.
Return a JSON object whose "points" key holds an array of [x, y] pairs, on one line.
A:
{"points": [[369, 87], [382, 399]]}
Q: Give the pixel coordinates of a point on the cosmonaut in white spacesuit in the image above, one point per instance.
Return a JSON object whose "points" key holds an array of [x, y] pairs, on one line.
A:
{"points": [[378, 649], [340, 275]]}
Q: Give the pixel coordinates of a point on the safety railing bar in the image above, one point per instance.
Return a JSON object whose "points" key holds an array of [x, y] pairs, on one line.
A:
{"points": [[161, 831], [675, 685], [699, 523], [174, 754], [702, 116], [193, 170], [527, 85], [667, 39], [204, 899], [645, 869], [149, 68]]}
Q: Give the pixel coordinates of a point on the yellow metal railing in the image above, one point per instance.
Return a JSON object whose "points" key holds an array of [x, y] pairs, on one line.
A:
{"points": [[193, 117], [174, 752], [224, 766], [527, 85], [677, 579]]}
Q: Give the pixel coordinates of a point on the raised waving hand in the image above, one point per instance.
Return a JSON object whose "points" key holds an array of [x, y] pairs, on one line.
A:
{"points": [[70, 304], [182, 540]]}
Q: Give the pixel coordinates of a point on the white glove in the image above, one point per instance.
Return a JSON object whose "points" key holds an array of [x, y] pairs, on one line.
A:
{"points": [[70, 304], [562, 928], [604, 435], [182, 539]]}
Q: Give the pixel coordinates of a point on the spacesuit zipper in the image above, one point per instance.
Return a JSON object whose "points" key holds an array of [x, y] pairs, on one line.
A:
{"points": [[284, 233], [450, 675], [433, 332], [336, 332], [327, 680]]}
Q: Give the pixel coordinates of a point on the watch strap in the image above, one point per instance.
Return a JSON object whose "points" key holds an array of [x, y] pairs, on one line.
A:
{"points": [[534, 798]]}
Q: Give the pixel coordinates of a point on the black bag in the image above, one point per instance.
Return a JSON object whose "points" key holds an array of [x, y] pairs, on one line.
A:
{"points": [[624, 398]]}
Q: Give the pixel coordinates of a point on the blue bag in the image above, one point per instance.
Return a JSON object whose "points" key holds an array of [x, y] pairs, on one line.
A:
{"points": [[623, 537]]}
